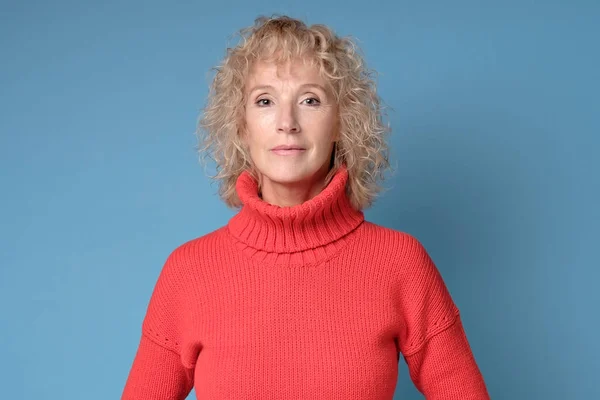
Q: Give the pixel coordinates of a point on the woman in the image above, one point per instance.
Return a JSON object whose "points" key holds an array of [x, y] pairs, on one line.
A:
{"points": [[298, 296]]}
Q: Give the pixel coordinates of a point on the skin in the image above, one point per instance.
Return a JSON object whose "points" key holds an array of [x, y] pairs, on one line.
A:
{"points": [[290, 104]]}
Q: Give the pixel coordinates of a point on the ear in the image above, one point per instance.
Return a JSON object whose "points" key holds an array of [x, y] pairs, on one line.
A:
{"points": [[243, 135], [337, 136], [338, 123]]}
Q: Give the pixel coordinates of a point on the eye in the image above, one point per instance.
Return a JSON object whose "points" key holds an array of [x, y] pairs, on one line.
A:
{"points": [[263, 102], [312, 101]]}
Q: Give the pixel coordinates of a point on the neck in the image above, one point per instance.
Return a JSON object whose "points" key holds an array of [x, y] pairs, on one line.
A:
{"points": [[284, 195], [321, 221], [295, 193]]}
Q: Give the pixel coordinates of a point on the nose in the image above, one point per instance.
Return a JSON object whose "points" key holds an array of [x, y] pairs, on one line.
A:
{"points": [[287, 120]]}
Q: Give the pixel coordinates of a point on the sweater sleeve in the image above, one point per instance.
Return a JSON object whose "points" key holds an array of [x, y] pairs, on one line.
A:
{"points": [[159, 372], [432, 340]]}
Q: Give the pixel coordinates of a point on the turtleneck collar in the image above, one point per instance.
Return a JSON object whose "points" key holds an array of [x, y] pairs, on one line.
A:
{"points": [[317, 222]]}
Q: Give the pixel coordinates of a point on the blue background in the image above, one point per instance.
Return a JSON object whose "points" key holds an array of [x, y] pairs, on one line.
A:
{"points": [[494, 107]]}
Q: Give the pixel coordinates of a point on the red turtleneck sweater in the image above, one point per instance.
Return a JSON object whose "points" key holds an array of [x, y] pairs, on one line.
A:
{"points": [[304, 302]]}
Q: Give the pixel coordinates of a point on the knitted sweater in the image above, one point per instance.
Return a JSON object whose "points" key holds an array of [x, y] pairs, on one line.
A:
{"points": [[303, 302]]}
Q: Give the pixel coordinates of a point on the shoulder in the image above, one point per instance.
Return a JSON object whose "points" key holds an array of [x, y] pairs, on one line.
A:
{"points": [[407, 253], [196, 247], [193, 255], [185, 266], [397, 242], [175, 293]]}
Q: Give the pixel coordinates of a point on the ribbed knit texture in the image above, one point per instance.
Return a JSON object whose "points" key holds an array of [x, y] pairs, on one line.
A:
{"points": [[303, 302]]}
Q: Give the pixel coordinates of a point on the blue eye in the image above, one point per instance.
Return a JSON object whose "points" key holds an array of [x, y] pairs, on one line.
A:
{"points": [[312, 101], [263, 102]]}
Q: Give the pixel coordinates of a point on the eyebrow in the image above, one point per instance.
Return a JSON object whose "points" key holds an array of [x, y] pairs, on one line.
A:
{"points": [[304, 86]]}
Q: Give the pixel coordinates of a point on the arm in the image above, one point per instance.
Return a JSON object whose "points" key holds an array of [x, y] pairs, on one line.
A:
{"points": [[159, 372], [433, 341], [444, 368]]}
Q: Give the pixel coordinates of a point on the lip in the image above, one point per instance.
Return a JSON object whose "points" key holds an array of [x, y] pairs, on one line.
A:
{"points": [[288, 151], [288, 147]]}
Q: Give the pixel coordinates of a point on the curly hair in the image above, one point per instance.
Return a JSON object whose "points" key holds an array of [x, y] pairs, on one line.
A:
{"points": [[362, 145]]}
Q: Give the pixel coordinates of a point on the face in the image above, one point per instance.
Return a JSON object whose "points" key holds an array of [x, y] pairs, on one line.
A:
{"points": [[291, 123]]}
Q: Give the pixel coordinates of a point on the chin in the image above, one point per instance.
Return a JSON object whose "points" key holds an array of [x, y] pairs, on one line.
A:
{"points": [[286, 176], [290, 174]]}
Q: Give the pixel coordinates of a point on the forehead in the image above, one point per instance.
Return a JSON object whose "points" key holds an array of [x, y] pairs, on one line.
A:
{"points": [[300, 70]]}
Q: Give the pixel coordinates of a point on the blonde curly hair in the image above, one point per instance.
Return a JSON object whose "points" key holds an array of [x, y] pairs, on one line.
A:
{"points": [[361, 146]]}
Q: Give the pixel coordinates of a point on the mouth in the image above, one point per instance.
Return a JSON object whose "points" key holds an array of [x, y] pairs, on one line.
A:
{"points": [[285, 150]]}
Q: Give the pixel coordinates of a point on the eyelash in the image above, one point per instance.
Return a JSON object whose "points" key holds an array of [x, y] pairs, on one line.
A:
{"points": [[318, 102]]}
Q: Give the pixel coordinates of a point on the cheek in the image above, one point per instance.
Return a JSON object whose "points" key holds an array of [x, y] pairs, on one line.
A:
{"points": [[258, 124], [327, 132], [252, 131]]}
